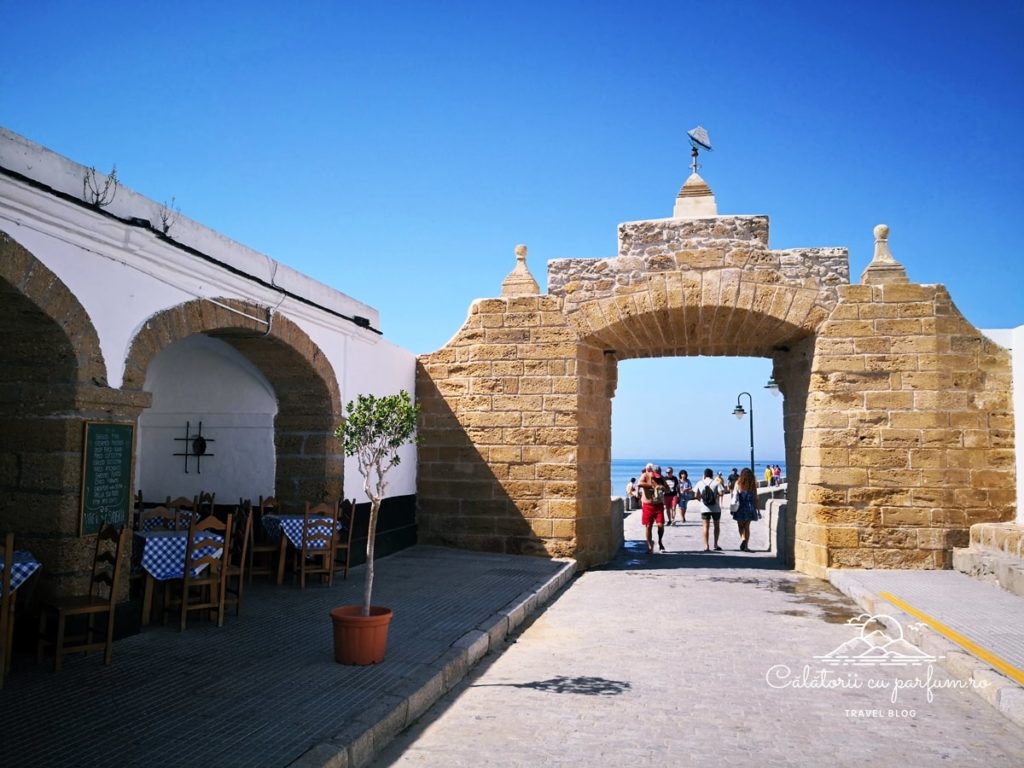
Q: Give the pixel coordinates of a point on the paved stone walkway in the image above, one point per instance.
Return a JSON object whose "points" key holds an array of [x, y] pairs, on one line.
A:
{"points": [[692, 659]]}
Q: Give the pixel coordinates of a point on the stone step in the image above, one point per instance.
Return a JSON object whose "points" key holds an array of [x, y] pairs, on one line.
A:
{"points": [[995, 555]]}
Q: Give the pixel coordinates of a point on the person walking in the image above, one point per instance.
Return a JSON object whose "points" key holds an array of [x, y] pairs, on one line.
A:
{"points": [[631, 494], [708, 492], [777, 475], [653, 511], [685, 493], [671, 495], [732, 478], [745, 505], [768, 475]]}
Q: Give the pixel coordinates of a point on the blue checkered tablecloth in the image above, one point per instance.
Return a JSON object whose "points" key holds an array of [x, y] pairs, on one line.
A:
{"points": [[163, 552], [157, 523], [24, 566], [291, 525]]}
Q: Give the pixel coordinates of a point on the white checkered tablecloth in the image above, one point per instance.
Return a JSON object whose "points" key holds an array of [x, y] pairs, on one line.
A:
{"points": [[24, 566], [292, 527], [163, 553]]}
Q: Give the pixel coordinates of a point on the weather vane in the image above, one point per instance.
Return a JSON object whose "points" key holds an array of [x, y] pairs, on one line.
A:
{"points": [[698, 140]]}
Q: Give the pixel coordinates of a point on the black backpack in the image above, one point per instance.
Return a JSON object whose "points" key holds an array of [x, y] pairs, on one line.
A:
{"points": [[707, 496]]}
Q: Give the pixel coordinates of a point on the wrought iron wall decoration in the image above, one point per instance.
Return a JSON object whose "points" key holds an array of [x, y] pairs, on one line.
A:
{"points": [[195, 445]]}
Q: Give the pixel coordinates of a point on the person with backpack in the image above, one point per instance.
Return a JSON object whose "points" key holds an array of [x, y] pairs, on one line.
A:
{"points": [[744, 508], [653, 510], [709, 491]]}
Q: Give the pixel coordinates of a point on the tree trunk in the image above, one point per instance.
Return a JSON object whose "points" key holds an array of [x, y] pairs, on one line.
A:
{"points": [[371, 536]]}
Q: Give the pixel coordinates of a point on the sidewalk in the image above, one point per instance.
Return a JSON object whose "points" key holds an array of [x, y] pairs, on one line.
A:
{"points": [[975, 628], [686, 658], [264, 690]]}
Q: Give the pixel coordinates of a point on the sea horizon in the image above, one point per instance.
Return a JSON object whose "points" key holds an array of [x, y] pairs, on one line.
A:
{"points": [[623, 469]]}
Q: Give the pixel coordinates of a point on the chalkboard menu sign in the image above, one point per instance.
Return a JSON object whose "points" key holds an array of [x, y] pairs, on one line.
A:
{"points": [[106, 475]]}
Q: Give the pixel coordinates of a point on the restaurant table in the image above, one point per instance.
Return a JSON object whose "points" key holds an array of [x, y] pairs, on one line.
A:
{"points": [[291, 527], [24, 566], [163, 559]]}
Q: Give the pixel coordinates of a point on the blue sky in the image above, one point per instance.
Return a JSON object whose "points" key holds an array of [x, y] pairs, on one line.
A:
{"points": [[399, 151]]}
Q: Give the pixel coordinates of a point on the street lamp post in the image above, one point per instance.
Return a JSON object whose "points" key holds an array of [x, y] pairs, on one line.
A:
{"points": [[739, 413]]}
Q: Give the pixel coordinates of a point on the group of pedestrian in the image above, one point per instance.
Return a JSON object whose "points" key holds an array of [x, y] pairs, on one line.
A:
{"points": [[773, 475], [662, 494]]}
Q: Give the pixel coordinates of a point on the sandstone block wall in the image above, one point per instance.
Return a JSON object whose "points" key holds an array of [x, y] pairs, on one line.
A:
{"points": [[898, 423], [908, 435], [507, 460]]}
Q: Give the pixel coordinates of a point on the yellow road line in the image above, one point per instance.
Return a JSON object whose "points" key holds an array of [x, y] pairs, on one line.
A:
{"points": [[1003, 666]]}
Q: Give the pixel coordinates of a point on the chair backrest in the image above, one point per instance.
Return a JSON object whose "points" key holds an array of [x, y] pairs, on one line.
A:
{"points": [[185, 508], [241, 538], [207, 537], [316, 535], [269, 505], [5, 584], [204, 503], [348, 522], [168, 517], [106, 562]]}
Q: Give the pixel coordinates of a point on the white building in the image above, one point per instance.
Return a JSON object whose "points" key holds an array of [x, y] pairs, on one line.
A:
{"points": [[118, 312]]}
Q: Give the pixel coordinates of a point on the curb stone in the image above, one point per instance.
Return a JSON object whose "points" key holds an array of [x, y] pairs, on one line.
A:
{"points": [[363, 739], [994, 688]]}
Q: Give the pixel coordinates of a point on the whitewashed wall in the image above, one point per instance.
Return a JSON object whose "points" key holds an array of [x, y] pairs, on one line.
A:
{"points": [[203, 380], [124, 274]]}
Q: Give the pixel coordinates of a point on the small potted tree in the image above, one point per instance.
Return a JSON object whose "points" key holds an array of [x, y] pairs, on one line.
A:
{"points": [[373, 430]]}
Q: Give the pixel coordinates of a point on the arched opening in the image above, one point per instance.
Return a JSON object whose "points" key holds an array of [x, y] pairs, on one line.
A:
{"points": [[52, 379], [308, 460], [678, 413], [211, 424]]}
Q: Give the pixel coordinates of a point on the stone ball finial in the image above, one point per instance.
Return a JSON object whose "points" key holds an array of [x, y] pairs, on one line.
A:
{"points": [[883, 267], [882, 252], [519, 281]]}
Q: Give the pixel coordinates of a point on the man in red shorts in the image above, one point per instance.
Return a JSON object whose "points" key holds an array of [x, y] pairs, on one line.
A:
{"points": [[654, 505]]}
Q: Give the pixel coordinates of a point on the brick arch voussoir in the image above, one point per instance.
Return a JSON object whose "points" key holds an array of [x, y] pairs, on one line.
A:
{"points": [[34, 280], [204, 316]]}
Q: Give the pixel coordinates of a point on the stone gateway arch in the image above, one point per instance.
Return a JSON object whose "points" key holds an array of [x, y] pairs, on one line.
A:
{"points": [[897, 415]]}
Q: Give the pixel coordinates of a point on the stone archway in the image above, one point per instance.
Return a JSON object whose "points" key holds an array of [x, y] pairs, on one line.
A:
{"points": [[310, 462], [52, 379], [515, 434]]}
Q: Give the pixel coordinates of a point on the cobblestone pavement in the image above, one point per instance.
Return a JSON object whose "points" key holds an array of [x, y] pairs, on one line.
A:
{"points": [[665, 660]]}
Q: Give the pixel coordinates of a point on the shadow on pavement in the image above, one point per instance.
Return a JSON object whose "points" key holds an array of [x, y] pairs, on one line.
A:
{"points": [[588, 686], [634, 557]]}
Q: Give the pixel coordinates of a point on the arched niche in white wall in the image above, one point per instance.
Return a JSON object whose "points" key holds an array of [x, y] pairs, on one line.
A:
{"points": [[202, 379]]}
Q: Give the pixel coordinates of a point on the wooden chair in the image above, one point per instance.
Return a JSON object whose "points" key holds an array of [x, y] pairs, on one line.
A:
{"points": [[186, 509], [168, 517], [240, 539], [204, 503], [343, 546], [208, 548], [262, 551], [111, 543], [319, 539], [6, 608], [136, 509]]}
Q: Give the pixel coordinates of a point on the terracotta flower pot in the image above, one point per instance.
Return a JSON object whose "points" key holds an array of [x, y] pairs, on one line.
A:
{"points": [[360, 639]]}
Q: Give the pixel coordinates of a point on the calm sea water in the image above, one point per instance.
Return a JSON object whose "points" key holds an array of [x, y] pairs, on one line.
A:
{"points": [[623, 469]]}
